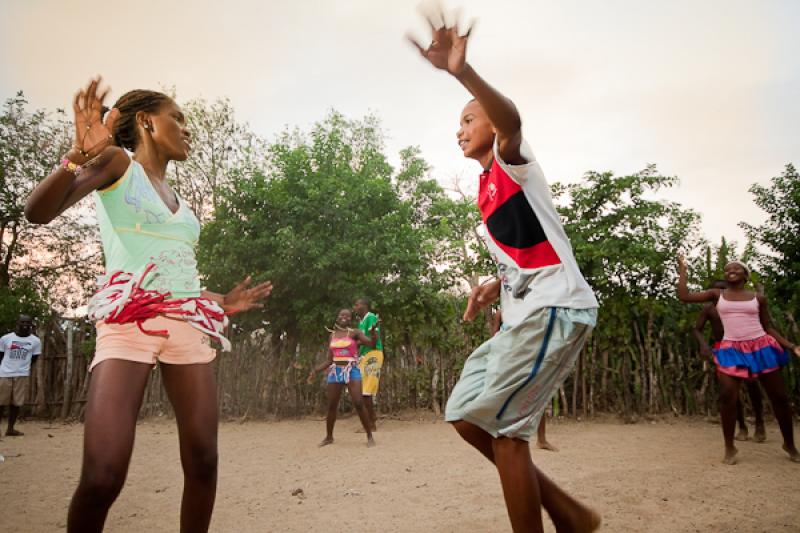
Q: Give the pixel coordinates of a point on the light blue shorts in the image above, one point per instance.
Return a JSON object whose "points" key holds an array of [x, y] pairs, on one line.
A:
{"points": [[508, 380], [343, 374]]}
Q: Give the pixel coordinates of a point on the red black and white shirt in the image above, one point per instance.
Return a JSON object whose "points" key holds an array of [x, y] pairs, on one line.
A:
{"points": [[525, 237]]}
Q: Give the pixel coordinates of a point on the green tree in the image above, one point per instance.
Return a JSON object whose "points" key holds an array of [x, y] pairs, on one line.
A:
{"points": [[626, 244], [62, 258], [324, 224], [222, 150], [779, 237]]}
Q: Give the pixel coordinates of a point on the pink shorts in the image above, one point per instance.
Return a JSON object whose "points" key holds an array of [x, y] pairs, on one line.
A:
{"points": [[185, 345]]}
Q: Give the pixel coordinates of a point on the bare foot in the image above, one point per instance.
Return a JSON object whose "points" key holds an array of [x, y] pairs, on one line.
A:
{"points": [[761, 433], [14, 433], [544, 445], [370, 442], [730, 456], [326, 441], [794, 455], [742, 435]]}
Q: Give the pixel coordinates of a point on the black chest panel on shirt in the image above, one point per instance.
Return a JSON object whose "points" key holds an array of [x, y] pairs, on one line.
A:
{"points": [[515, 224]]}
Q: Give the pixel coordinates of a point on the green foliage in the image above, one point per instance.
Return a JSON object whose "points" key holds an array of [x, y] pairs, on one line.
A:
{"points": [[625, 243], [21, 298], [222, 150], [326, 223], [779, 235], [62, 257], [324, 215], [626, 246]]}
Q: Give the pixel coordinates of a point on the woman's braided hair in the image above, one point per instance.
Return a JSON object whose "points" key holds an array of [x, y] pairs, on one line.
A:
{"points": [[125, 132]]}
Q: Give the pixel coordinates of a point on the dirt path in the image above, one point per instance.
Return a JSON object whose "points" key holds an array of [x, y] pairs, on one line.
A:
{"points": [[663, 477]]}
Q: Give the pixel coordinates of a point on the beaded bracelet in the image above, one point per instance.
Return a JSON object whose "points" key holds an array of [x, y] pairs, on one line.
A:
{"points": [[69, 166]]}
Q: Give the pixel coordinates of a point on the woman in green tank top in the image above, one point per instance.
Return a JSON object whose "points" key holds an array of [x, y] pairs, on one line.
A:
{"points": [[149, 236]]}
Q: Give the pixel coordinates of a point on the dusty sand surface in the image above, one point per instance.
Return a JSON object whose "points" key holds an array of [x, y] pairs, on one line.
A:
{"points": [[653, 477]]}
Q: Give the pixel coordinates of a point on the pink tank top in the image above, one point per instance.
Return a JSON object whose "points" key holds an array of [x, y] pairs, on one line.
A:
{"points": [[740, 319], [344, 349]]}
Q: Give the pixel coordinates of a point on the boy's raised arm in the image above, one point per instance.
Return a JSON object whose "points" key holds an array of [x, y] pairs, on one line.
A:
{"points": [[448, 51]]}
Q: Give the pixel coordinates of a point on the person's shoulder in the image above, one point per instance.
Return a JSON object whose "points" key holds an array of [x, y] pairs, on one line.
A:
{"points": [[523, 172], [118, 167]]}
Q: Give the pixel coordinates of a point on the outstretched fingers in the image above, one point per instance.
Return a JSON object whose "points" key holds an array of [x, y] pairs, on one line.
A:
{"points": [[422, 50], [111, 119], [262, 290], [76, 102], [242, 285], [88, 95]]}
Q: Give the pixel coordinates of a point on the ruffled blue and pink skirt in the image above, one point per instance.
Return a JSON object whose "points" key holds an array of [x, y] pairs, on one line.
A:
{"points": [[750, 358]]}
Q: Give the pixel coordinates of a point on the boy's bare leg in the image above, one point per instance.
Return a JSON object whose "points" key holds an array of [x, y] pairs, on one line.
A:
{"points": [[541, 437], [370, 406], [568, 514], [13, 412], [512, 457]]}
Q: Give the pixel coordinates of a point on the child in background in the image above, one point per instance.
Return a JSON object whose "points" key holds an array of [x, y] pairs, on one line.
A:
{"points": [[750, 348]]}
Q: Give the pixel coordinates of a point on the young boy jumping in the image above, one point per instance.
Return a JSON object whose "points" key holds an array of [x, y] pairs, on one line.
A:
{"points": [[548, 308]]}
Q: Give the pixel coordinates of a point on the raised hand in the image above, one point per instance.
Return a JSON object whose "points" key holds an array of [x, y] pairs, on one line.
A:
{"points": [[243, 297], [796, 351], [448, 49], [92, 134], [480, 297]]}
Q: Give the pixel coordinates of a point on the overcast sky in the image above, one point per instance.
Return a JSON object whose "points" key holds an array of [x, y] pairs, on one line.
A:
{"points": [[709, 91]]}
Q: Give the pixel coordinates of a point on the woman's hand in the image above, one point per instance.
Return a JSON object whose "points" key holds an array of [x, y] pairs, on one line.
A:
{"points": [[92, 134], [243, 297]]}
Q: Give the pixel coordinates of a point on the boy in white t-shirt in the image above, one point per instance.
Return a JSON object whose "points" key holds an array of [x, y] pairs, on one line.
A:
{"points": [[548, 308], [18, 350]]}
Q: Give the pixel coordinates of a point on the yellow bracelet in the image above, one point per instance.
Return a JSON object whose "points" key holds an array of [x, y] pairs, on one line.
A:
{"points": [[69, 166]]}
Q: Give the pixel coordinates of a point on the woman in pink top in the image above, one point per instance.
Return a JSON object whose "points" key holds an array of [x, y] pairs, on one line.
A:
{"points": [[342, 365], [751, 348]]}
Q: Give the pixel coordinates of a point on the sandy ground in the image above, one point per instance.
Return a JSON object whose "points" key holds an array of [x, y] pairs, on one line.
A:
{"points": [[653, 477]]}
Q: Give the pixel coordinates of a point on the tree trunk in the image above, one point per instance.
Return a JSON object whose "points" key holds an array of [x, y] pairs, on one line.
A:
{"points": [[66, 404]]}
